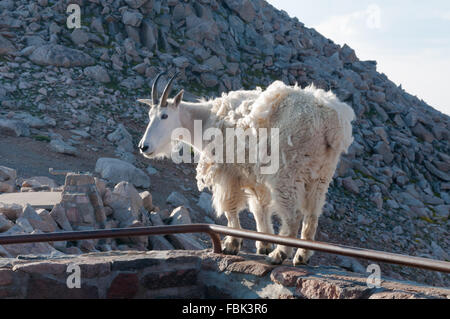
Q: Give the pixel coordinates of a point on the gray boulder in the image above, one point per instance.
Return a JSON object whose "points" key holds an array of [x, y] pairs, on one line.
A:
{"points": [[97, 73], [6, 46], [62, 147], [59, 55], [116, 170]]}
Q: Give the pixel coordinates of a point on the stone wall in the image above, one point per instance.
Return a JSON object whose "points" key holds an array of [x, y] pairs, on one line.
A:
{"points": [[190, 274]]}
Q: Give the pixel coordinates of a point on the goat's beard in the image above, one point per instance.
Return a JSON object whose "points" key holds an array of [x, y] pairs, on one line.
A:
{"points": [[161, 153]]}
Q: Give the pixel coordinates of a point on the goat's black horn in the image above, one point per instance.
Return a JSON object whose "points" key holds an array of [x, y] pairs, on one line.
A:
{"points": [[155, 89], [166, 92]]}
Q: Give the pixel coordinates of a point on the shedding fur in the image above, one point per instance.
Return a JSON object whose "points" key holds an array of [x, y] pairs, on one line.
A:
{"points": [[314, 130]]}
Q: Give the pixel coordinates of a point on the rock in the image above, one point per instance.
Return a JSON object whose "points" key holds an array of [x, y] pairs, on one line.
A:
{"points": [[442, 210], [39, 183], [181, 62], [5, 223], [58, 213], [205, 203], [409, 200], [347, 54], [59, 146], [36, 220], [148, 34], [126, 204], [177, 199], [350, 185], [135, 4], [79, 36], [58, 55], [29, 248], [7, 179], [6, 47], [158, 242], [438, 252], [321, 288], [209, 80], [433, 170], [421, 132], [50, 223], [180, 216], [24, 225], [13, 128], [185, 241], [121, 137], [7, 187], [245, 9], [11, 211], [33, 121], [115, 171], [384, 150], [132, 18], [411, 119], [351, 264], [97, 73], [377, 97], [147, 200], [151, 170], [398, 230], [377, 199]]}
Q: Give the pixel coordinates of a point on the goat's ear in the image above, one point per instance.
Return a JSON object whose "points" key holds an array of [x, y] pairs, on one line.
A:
{"points": [[178, 98]]}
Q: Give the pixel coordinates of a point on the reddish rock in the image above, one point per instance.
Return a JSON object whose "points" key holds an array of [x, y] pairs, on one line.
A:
{"points": [[95, 269], [40, 287], [124, 286], [218, 262], [326, 288], [167, 279], [287, 276], [395, 295], [6, 277], [251, 267]]}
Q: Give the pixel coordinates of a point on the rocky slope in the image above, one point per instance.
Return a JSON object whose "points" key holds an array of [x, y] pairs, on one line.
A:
{"points": [[71, 94]]}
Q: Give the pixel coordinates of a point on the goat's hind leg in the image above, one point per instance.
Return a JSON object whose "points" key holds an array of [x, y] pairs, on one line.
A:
{"points": [[315, 199], [232, 245], [290, 222], [260, 209]]}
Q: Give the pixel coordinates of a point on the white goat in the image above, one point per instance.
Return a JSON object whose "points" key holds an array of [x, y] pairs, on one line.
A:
{"points": [[314, 129]]}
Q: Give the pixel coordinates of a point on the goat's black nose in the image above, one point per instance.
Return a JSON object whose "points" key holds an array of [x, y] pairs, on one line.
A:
{"points": [[143, 148]]}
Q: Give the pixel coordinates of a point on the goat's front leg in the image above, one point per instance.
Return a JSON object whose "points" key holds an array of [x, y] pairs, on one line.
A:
{"points": [[232, 245], [290, 223], [309, 228]]}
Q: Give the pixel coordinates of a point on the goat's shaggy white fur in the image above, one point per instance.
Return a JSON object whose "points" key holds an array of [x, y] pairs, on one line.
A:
{"points": [[314, 129]]}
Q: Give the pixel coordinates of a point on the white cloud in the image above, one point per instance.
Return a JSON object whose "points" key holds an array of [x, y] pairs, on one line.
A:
{"points": [[445, 15], [351, 24]]}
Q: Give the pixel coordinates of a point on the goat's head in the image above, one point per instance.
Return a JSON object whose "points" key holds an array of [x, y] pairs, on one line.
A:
{"points": [[164, 117]]}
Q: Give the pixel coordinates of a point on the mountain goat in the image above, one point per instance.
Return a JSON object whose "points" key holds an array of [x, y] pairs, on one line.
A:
{"points": [[313, 127]]}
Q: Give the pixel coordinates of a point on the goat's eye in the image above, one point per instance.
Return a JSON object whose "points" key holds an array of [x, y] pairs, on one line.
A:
{"points": [[164, 116]]}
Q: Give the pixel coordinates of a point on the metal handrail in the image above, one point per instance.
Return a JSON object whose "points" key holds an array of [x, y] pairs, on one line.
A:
{"points": [[215, 230]]}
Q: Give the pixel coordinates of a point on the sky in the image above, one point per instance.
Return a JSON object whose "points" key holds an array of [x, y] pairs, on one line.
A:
{"points": [[410, 39]]}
